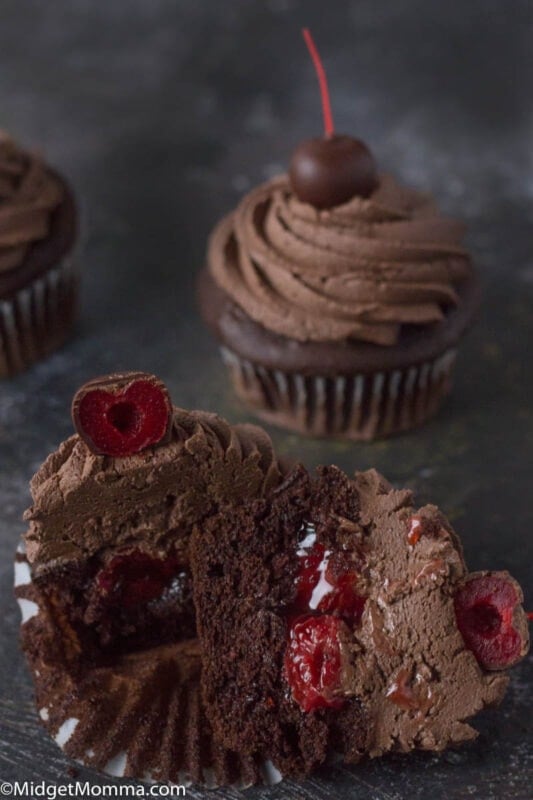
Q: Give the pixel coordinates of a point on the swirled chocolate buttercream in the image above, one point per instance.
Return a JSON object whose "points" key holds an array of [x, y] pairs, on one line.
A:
{"points": [[29, 193], [358, 271]]}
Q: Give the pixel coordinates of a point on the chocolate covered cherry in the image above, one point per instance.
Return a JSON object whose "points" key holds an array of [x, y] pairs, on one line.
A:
{"points": [[326, 172], [122, 414]]}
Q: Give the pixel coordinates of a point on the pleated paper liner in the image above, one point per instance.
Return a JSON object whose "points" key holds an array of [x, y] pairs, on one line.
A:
{"points": [[362, 406], [37, 319], [141, 717]]}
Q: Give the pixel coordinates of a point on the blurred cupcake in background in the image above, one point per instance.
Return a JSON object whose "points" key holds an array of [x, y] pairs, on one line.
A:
{"points": [[338, 296], [38, 281]]}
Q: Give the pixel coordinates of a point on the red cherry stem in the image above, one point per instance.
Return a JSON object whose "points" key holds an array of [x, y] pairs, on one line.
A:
{"points": [[322, 81]]}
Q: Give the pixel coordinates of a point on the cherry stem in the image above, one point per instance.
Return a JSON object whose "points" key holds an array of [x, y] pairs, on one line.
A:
{"points": [[322, 81]]}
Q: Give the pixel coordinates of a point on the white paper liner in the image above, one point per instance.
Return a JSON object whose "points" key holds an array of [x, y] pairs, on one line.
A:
{"points": [[37, 318], [362, 406]]}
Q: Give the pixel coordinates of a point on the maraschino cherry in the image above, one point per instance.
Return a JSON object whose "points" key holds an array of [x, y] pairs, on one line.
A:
{"points": [[329, 171], [313, 662], [491, 619]]}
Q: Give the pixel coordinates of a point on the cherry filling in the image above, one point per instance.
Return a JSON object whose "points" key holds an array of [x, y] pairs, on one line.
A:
{"points": [[416, 529], [326, 603], [132, 602], [124, 417], [420, 525], [308, 576], [484, 609], [313, 661], [135, 601], [135, 578], [326, 583]]}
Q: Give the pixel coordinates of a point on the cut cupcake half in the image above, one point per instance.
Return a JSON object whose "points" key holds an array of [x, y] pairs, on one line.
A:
{"points": [[336, 618], [104, 579]]}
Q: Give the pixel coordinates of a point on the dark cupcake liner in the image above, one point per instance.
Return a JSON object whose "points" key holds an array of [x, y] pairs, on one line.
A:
{"points": [[37, 319], [361, 406], [140, 717]]}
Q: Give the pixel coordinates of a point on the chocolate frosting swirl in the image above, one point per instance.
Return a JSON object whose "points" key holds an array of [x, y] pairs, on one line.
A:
{"points": [[29, 194], [358, 271]]}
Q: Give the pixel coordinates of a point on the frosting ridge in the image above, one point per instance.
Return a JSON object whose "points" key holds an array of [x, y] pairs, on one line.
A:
{"points": [[83, 502], [29, 193], [359, 271]]}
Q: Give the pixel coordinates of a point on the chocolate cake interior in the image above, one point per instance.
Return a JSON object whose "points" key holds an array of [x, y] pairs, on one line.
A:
{"points": [[260, 573], [125, 599]]}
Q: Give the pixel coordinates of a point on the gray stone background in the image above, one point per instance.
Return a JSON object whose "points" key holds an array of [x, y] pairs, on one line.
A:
{"points": [[162, 113]]}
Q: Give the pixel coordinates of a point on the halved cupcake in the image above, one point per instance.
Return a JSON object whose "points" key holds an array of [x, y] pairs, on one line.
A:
{"points": [[104, 579], [336, 618]]}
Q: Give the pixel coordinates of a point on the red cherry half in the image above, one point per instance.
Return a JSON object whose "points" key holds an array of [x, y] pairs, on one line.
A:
{"points": [[491, 619], [134, 578], [326, 583], [121, 415], [313, 662]]}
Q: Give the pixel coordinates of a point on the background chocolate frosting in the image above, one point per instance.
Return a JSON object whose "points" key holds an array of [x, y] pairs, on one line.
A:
{"points": [[357, 271], [29, 193]]}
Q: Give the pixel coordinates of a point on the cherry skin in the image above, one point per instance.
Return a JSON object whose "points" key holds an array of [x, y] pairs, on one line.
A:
{"points": [[338, 594], [490, 620], [134, 578], [326, 172], [313, 662]]}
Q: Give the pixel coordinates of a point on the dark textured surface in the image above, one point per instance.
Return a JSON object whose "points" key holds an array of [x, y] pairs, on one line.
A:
{"points": [[162, 114]]}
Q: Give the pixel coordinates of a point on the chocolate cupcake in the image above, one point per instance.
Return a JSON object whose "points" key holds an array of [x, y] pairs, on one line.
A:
{"points": [[103, 579], [338, 296], [38, 281], [336, 618]]}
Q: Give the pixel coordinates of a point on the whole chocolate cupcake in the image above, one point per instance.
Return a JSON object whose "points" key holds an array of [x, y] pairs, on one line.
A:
{"points": [[338, 295], [38, 283]]}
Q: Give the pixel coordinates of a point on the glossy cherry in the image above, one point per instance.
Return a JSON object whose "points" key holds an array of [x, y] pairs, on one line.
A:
{"points": [[313, 661], [491, 620], [121, 415], [326, 172], [326, 583]]}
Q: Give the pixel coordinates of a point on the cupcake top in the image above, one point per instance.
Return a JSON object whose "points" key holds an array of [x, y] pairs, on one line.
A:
{"points": [[29, 194], [359, 270], [85, 501]]}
